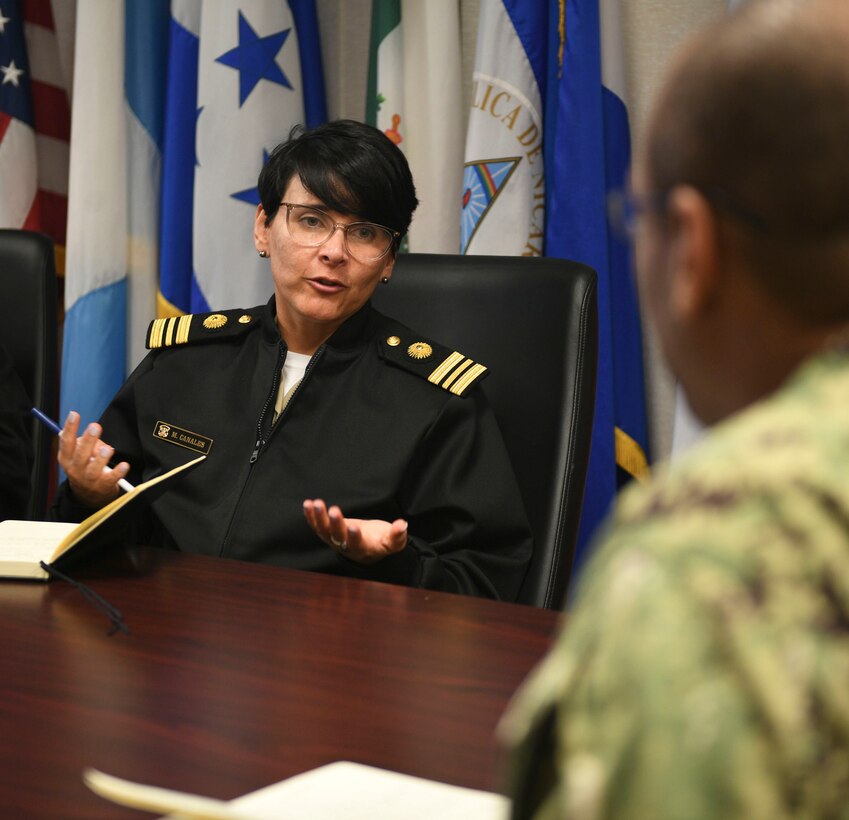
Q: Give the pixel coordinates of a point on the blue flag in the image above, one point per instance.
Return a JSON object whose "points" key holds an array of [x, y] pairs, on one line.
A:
{"points": [[240, 76], [169, 97], [587, 154]]}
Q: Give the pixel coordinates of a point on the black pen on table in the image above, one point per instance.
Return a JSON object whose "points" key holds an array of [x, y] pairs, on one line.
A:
{"points": [[48, 422]]}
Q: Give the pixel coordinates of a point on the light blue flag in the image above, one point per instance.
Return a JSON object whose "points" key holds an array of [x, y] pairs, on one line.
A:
{"points": [[155, 110], [587, 154], [239, 78], [111, 265]]}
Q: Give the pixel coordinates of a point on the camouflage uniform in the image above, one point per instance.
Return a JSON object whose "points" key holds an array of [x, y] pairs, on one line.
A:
{"points": [[704, 672]]}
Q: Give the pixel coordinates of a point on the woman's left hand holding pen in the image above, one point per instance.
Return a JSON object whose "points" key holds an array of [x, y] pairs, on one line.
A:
{"points": [[85, 460]]}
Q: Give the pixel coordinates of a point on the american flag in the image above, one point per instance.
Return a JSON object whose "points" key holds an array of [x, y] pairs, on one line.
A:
{"points": [[34, 122]]}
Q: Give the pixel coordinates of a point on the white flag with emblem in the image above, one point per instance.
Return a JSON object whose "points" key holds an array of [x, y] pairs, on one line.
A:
{"points": [[503, 195]]}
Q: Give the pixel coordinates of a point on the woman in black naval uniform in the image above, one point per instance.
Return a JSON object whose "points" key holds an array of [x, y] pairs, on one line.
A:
{"points": [[316, 396]]}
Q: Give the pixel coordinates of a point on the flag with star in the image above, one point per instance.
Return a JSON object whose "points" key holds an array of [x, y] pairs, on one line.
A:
{"points": [[176, 105], [241, 75], [17, 132], [34, 123]]}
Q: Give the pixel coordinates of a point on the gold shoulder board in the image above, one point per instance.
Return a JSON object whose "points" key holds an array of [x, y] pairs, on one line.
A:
{"points": [[446, 368], [199, 327]]}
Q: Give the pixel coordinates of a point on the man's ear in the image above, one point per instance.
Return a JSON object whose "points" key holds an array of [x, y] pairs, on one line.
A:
{"points": [[693, 255]]}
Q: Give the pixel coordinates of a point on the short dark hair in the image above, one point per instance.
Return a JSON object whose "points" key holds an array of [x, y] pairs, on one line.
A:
{"points": [[756, 115], [351, 167]]}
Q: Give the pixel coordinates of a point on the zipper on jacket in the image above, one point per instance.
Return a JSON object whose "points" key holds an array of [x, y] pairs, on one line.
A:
{"points": [[310, 364], [260, 441], [272, 396]]}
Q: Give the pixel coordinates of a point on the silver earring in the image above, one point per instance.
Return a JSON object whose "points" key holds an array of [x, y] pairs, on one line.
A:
{"points": [[385, 280], [263, 254]]}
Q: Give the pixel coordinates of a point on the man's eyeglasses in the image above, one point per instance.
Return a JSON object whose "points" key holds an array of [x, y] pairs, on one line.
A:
{"points": [[624, 209], [311, 227]]}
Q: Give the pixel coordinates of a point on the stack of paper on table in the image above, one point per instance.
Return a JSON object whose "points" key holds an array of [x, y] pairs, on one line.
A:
{"points": [[338, 790]]}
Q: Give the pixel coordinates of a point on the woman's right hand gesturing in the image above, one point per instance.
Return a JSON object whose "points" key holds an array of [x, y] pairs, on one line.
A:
{"points": [[85, 460]]}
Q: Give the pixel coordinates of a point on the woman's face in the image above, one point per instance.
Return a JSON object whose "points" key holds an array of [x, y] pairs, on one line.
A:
{"points": [[316, 288]]}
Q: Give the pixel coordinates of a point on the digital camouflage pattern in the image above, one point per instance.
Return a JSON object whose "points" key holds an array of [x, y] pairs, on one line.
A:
{"points": [[704, 672]]}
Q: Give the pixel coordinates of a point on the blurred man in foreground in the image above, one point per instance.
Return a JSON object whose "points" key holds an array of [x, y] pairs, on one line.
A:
{"points": [[703, 673]]}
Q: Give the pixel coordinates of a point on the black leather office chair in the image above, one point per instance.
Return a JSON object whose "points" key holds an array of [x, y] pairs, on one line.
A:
{"points": [[28, 294], [534, 323]]}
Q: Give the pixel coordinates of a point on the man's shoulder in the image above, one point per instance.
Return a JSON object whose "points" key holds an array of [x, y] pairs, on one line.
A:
{"points": [[757, 485], [202, 328], [766, 451]]}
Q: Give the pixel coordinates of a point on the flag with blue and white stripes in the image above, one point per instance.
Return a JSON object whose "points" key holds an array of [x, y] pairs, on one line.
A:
{"points": [[176, 106]]}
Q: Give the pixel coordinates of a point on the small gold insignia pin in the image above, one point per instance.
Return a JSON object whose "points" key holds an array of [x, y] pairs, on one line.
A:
{"points": [[393, 341], [419, 350], [214, 320], [245, 318]]}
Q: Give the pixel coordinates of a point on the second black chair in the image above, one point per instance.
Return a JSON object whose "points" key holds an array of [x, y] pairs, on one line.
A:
{"points": [[533, 322]]}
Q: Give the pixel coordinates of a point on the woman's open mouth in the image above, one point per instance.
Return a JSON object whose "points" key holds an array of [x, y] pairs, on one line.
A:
{"points": [[325, 284]]}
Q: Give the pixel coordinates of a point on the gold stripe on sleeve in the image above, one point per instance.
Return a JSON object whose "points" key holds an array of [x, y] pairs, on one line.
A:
{"points": [[440, 372], [183, 329], [470, 376], [160, 333], [156, 333], [169, 331], [457, 371]]}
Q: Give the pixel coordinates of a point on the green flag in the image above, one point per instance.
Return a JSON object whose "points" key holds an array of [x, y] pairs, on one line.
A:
{"points": [[415, 97], [385, 94]]}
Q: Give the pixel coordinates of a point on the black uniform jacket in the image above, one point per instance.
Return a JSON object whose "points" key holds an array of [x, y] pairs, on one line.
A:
{"points": [[365, 430]]}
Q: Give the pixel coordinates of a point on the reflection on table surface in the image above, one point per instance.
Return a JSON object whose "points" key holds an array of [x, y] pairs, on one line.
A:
{"points": [[235, 676]]}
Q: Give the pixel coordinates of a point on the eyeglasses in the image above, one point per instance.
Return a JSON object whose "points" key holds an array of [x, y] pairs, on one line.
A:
{"points": [[311, 227], [624, 209]]}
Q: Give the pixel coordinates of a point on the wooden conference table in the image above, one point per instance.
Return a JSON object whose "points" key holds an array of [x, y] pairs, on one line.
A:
{"points": [[235, 676]]}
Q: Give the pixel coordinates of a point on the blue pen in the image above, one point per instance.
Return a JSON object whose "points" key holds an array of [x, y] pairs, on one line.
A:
{"points": [[48, 422]]}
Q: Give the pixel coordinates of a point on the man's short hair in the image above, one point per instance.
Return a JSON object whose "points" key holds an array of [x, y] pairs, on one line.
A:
{"points": [[351, 167], [757, 118]]}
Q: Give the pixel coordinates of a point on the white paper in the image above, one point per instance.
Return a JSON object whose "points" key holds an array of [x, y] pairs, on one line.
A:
{"points": [[338, 790], [356, 792], [30, 541]]}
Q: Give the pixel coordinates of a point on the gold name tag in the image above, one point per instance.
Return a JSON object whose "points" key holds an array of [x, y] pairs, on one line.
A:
{"points": [[182, 438]]}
